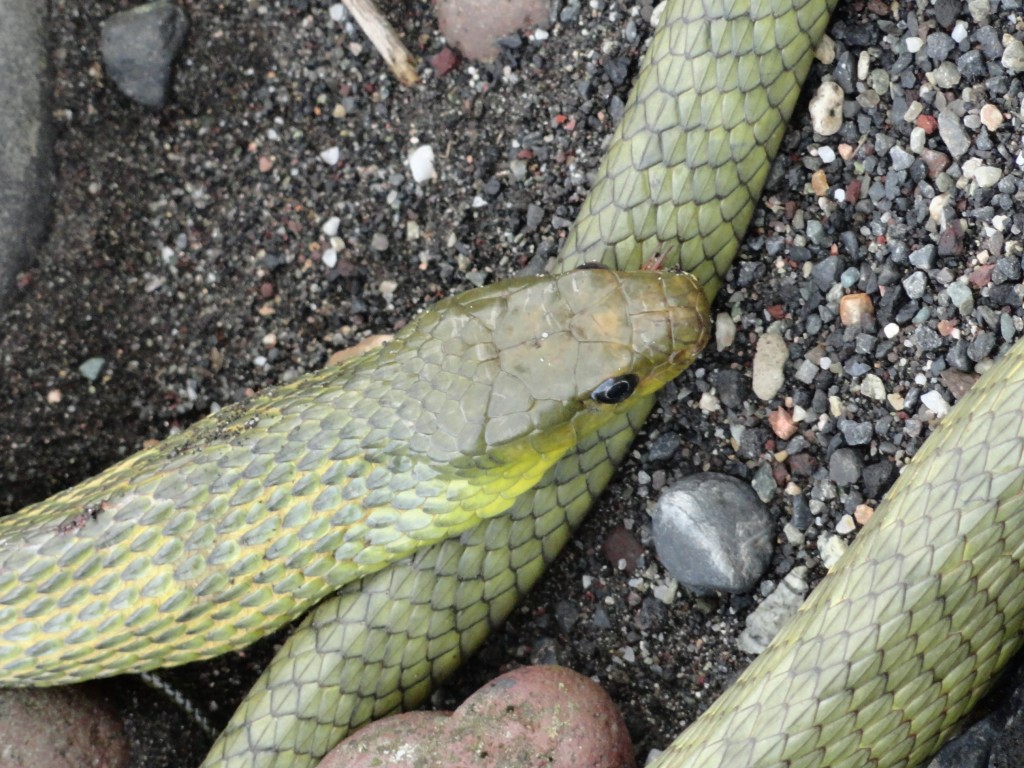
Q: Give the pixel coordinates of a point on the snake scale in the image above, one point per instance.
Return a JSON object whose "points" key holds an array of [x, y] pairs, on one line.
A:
{"points": [[878, 667]]}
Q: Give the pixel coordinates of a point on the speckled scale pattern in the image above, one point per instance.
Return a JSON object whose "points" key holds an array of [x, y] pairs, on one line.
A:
{"points": [[913, 624], [687, 163], [382, 644], [222, 533]]}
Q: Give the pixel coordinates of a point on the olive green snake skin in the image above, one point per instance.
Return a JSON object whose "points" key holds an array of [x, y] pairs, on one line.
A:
{"points": [[879, 666]]}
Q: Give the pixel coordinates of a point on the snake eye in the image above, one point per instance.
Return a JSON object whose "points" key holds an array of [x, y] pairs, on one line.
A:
{"points": [[616, 389]]}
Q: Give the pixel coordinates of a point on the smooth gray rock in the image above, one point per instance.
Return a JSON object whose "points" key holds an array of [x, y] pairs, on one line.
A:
{"points": [[26, 139], [139, 46], [712, 533]]}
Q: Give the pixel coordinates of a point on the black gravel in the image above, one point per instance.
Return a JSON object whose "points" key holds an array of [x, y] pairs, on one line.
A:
{"points": [[194, 277]]}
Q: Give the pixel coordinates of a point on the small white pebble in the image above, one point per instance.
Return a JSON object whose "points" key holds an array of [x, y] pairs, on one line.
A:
{"points": [[331, 155], [846, 525], [793, 534], [863, 65], [421, 163], [656, 13], [709, 403], [987, 176], [770, 357], [666, 593], [329, 258], [891, 330], [387, 289], [338, 13], [873, 387], [914, 44], [959, 33], [827, 154], [917, 139], [935, 403], [831, 548], [725, 330], [330, 227], [826, 108]]}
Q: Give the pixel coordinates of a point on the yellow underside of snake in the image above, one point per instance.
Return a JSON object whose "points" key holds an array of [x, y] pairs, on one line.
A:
{"points": [[414, 493]]}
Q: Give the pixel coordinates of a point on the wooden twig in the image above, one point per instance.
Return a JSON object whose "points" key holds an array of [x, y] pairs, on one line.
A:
{"points": [[384, 39]]}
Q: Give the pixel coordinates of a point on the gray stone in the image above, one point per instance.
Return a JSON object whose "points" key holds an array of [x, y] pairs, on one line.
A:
{"points": [[844, 467], [951, 130], [923, 257], [138, 48], [856, 432], [938, 46], [26, 139], [915, 284], [712, 533], [961, 296], [901, 159], [767, 619], [1013, 56]]}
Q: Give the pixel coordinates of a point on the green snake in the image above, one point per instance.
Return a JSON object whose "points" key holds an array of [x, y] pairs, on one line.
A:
{"points": [[424, 487]]}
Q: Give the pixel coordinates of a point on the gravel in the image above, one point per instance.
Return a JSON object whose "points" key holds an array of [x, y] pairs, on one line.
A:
{"points": [[189, 254]]}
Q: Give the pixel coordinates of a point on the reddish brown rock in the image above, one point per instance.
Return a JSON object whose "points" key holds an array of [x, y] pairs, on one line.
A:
{"points": [[68, 727], [542, 715], [475, 26]]}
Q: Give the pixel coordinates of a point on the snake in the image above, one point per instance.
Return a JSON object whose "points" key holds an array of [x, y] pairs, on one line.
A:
{"points": [[405, 500]]}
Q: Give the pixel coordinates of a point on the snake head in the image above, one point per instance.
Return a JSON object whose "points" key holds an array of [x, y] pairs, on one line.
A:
{"points": [[530, 365]]}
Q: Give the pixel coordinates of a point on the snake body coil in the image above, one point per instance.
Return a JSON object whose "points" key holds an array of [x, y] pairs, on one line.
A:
{"points": [[218, 535]]}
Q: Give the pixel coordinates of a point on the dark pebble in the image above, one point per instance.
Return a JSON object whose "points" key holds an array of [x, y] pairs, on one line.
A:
{"points": [[733, 387], [938, 46], [927, 339], [946, 13], [825, 274], [663, 447], [923, 257], [567, 613], [617, 70], [844, 467], [856, 432], [972, 65], [981, 346], [801, 514], [989, 43], [877, 478], [915, 284], [752, 443]]}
